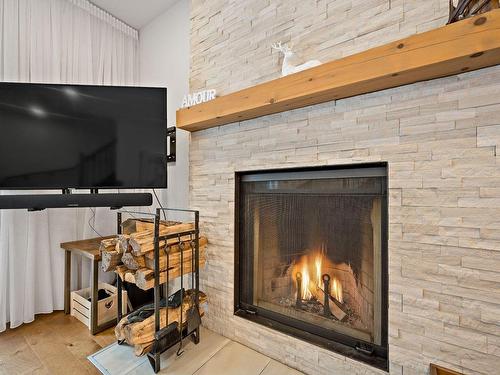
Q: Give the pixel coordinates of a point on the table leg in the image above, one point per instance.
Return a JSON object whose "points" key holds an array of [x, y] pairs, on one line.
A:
{"points": [[94, 286], [119, 297], [67, 281]]}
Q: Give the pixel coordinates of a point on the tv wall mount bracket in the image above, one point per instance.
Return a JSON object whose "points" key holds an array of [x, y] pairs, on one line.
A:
{"points": [[171, 151]]}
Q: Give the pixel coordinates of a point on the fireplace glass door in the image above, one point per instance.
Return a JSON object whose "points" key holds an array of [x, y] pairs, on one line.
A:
{"points": [[312, 253]]}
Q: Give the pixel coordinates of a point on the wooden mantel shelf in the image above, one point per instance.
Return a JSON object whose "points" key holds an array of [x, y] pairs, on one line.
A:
{"points": [[466, 45]]}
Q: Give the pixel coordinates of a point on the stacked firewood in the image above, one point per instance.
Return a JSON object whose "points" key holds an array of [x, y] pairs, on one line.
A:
{"points": [[131, 254], [138, 328]]}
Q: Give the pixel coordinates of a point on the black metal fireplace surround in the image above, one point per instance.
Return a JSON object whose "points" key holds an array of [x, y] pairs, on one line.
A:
{"points": [[311, 256]]}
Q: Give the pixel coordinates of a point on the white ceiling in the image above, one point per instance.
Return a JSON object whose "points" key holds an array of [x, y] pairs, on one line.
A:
{"points": [[136, 13]]}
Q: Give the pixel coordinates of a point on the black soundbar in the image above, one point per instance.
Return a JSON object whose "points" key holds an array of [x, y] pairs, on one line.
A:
{"points": [[38, 202]]}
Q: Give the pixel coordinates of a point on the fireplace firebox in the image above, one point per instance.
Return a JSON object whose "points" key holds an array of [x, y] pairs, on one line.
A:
{"points": [[311, 255]]}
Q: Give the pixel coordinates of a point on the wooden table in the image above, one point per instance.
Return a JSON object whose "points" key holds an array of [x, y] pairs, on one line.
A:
{"points": [[88, 249]]}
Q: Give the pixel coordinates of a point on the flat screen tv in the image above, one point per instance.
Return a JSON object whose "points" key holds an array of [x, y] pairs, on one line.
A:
{"points": [[78, 136]]}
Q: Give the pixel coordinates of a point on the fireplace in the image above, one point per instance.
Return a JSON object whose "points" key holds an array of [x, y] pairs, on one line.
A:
{"points": [[311, 256]]}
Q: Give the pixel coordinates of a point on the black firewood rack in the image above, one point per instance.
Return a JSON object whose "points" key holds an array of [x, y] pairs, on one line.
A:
{"points": [[154, 355]]}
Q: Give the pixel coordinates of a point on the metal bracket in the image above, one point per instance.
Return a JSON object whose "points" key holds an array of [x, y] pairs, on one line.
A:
{"points": [[171, 153], [364, 348]]}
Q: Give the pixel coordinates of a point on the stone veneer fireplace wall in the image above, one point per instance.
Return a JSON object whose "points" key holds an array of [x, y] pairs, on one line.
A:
{"points": [[440, 139]]}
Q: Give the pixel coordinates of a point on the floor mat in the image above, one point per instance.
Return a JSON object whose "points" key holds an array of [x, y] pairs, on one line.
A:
{"points": [[120, 359]]}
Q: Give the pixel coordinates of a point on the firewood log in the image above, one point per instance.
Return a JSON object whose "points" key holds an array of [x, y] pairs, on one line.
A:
{"points": [[143, 349], [130, 226], [143, 242], [144, 277], [143, 332], [125, 274], [335, 309], [122, 245], [133, 262], [173, 260], [119, 329], [108, 244], [148, 248], [174, 255], [175, 246], [110, 259]]}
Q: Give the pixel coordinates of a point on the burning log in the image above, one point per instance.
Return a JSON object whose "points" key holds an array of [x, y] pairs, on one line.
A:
{"points": [[335, 308], [298, 303]]}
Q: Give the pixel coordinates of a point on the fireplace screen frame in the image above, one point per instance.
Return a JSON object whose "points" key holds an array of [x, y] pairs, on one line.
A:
{"points": [[372, 354]]}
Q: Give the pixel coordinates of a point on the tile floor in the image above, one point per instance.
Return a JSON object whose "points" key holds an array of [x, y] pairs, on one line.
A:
{"points": [[214, 355], [59, 344]]}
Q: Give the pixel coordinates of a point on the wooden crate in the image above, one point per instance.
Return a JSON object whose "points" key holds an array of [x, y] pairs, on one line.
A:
{"points": [[106, 308]]}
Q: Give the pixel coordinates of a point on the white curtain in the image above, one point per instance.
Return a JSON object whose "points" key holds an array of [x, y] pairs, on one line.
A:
{"points": [[54, 41]]}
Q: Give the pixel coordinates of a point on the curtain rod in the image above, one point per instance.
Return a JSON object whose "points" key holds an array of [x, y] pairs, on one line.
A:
{"points": [[132, 30]]}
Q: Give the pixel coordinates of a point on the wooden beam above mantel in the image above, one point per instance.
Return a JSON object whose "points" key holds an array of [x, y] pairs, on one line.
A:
{"points": [[463, 46]]}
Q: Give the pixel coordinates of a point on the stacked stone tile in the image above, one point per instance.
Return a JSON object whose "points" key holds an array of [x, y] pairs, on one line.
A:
{"points": [[441, 139], [231, 39]]}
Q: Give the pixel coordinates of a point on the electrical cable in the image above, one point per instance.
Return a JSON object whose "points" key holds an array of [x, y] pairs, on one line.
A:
{"points": [[130, 213], [92, 218], [161, 206]]}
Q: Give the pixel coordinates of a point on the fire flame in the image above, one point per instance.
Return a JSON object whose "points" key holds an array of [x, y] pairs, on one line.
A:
{"points": [[310, 268], [305, 292], [318, 262], [336, 290]]}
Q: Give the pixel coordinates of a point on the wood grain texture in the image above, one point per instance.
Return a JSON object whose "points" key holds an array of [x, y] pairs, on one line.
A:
{"points": [[143, 242], [87, 248], [59, 344], [143, 278], [452, 49], [438, 370], [53, 344]]}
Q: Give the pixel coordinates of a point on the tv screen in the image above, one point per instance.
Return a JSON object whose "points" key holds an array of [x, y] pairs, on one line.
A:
{"points": [[75, 136]]}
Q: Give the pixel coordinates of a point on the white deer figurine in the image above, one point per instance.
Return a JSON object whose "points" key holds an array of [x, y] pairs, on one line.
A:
{"points": [[288, 68]]}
